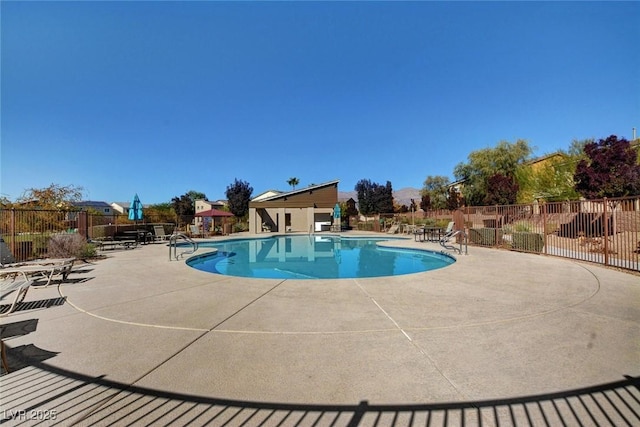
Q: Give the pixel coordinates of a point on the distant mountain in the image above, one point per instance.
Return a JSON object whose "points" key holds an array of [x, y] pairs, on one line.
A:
{"points": [[400, 197], [404, 196], [343, 196]]}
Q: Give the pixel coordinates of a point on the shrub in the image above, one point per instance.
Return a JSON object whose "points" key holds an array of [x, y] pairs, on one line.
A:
{"points": [[239, 227], [551, 227], [522, 227], [485, 236], [527, 242], [70, 245], [440, 223], [40, 244]]}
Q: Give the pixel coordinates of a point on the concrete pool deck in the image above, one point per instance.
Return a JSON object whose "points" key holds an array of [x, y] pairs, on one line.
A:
{"points": [[496, 338]]}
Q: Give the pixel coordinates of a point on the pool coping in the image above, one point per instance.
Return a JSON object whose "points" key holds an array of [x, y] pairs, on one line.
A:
{"points": [[380, 241]]}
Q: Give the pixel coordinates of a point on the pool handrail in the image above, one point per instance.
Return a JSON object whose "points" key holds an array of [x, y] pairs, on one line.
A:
{"points": [[445, 239], [173, 244]]}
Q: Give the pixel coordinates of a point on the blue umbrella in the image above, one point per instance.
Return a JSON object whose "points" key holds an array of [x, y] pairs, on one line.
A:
{"points": [[135, 209]]}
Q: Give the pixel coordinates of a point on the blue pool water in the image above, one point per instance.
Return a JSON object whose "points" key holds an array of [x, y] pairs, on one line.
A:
{"points": [[314, 257]]}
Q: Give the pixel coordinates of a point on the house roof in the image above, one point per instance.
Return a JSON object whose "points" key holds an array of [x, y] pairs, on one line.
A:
{"points": [[266, 195], [214, 213], [212, 202], [92, 204], [545, 157], [279, 194]]}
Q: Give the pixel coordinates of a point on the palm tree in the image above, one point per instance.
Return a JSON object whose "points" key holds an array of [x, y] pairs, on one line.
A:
{"points": [[293, 182]]}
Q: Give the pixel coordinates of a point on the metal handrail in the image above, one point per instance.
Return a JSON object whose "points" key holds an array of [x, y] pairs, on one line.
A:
{"points": [[445, 239], [173, 244]]}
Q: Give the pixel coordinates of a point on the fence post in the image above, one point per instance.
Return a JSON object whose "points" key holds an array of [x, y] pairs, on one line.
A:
{"points": [[544, 225], [12, 231], [465, 217], [495, 231], [605, 243], [83, 228]]}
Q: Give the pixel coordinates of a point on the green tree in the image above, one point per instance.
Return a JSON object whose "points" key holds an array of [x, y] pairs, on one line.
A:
{"points": [[454, 199], [364, 190], [505, 159], [186, 204], [425, 202], [160, 212], [552, 181], [374, 198], [293, 182], [413, 207], [196, 195], [576, 148], [437, 187], [349, 210], [384, 198], [238, 195]]}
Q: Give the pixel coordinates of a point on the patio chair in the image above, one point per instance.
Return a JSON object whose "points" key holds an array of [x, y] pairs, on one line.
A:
{"points": [[159, 234]]}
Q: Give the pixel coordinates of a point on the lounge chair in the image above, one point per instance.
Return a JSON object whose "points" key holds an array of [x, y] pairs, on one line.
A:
{"points": [[408, 229], [393, 229], [449, 229], [17, 281], [159, 234], [112, 244], [44, 268], [195, 231]]}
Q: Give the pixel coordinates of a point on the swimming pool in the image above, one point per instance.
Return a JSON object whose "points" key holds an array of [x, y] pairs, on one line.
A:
{"points": [[314, 257]]}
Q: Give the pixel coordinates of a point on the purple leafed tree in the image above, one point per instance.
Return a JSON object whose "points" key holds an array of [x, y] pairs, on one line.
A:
{"points": [[610, 170], [501, 190]]}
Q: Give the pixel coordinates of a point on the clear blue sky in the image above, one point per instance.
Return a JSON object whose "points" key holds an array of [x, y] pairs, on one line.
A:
{"points": [[159, 98]]}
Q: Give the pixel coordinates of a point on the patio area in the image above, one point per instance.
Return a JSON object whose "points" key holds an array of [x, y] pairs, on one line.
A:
{"points": [[497, 338]]}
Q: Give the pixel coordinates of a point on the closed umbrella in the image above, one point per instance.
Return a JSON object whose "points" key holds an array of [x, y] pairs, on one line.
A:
{"points": [[135, 209]]}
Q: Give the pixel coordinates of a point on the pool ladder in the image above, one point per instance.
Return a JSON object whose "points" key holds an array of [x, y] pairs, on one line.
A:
{"points": [[463, 240], [173, 246]]}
